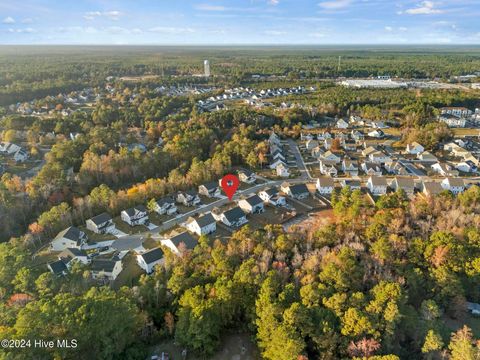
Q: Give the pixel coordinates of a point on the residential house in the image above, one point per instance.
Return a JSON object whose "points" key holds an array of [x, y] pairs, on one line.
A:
{"points": [[20, 156], [431, 188], [453, 121], [136, 215], [203, 225], [271, 196], [306, 137], [325, 185], [188, 198], [9, 148], [327, 143], [180, 242], [371, 169], [106, 268], [274, 139], [247, 176], [396, 167], [330, 156], [328, 168], [276, 163], [71, 237], [352, 184], [71, 255], [426, 157], [297, 191], [466, 166], [282, 170], [457, 111], [369, 150], [101, 224], [405, 183], [278, 155], [166, 206], [317, 152], [350, 167], [210, 190], [379, 157], [324, 135], [342, 124], [376, 134], [414, 148], [455, 185], [311, 144], [349, 145], [235, 217], [444, 169], [252, 205], [149, 259], [57, 268], [357, 135], [377, 185]]}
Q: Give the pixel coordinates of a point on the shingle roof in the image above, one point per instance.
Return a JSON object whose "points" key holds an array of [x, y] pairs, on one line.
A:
{"points": [[234, 214], [203, 220], [254, 200], [185, 238], [432, 187], [378, 181], [152, 255], [165, 200], [58, 267], [404, 182], [326, 182], [103, 265], [457, 182], [71, 233], [211, 186], [100, 219], [298, 189]]}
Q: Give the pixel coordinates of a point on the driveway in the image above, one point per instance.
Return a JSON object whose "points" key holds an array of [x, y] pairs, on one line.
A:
{"points": [[304, 173]]}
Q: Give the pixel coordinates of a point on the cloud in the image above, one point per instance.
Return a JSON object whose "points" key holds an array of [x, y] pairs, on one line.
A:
{"points": [[28, 30], [275, 32], [334, 4], [209, 7], [171, 30], [8, 20], [112, 15], [317, 35], [27, 21], [388, 28], [402, 28], [273, 2], [424, 8]]}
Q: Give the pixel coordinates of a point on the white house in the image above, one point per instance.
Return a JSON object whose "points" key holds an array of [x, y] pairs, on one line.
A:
{"points": [[9, 148], [71, 237], [210, 190], [426, 157], [282, 170], [297, 191], [271, 196], [203, 225], [234, 217], [453, 121], [444, 169], [379, 157], [357, 135], [180, 242], [466, 166], [328, 168], [247, 176], [371, 169], [455, 185], [274, 139], [20, 156], [457, 111], [149, 259], [377, 185], [330, 156], [310, 144], [341, 124], [166, 206], [106, 269], [414, 148], [136, 215], [350, 167], [276, 163], [71, 255], [325, 185], [188, 198], [352, 184], [101, 224], [431, 188], [376, 134], [251, 205]]}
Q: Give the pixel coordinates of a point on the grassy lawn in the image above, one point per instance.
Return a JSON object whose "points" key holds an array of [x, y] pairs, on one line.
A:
{"points": [[149, 243], [272, 215], [466, 132], [44, 257], [159, 219], [130, 273]]}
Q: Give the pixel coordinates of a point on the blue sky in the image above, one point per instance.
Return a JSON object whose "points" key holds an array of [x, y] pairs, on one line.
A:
{"points": [[239, 22]]}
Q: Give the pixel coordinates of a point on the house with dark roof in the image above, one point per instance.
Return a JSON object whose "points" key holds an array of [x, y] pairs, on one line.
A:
{"points": [[71, 237], [271, 196], [106, 268], [247, 176], [352, 184], [180, 242], [166, 206], [297, 191], [203, 225], [234, 217], [101, 224], [149, 259], [188, 198], [252, 204], [210, 190], [71, 255], [136, 215], [58, 268]]}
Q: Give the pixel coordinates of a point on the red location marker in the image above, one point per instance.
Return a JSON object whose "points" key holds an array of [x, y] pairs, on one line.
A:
{"points": [[230, 185]]}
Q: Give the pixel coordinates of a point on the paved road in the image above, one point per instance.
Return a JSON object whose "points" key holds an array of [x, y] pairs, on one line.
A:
{"points": [[304, 173]]}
